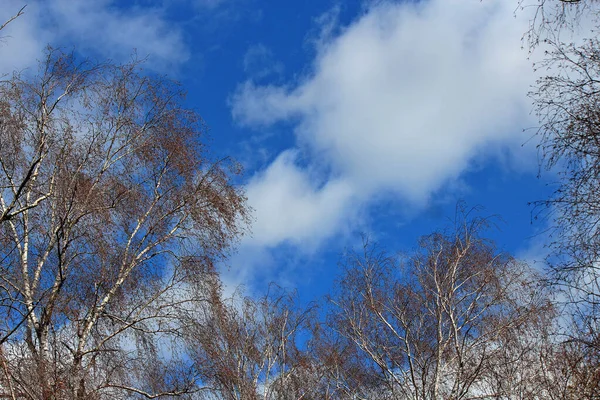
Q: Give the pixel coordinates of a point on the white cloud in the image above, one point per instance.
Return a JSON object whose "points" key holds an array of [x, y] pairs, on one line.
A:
{"points": [[290, 207], [102, 27], [96, 28], [401, 101]]}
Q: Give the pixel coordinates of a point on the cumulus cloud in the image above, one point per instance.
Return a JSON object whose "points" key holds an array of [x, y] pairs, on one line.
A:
{"points": [[290, 207], [400, 102]]}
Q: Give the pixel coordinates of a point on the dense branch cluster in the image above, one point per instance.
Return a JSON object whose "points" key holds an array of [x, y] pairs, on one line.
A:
{"points": [[110, 211]]}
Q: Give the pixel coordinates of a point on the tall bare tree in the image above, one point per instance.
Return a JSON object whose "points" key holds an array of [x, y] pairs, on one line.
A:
{"points": [[432, 326], [567, 103], [111, 213]]}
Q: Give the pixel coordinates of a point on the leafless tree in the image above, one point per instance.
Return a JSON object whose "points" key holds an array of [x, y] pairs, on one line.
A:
{"points": [[431, 326], [247, 348], [111, 212], [343, 370], [569, 371], [567, 103]]}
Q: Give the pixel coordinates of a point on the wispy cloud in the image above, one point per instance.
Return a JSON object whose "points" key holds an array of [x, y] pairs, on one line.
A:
{"points": [[259, 62], [210, 4], [96, 28]]}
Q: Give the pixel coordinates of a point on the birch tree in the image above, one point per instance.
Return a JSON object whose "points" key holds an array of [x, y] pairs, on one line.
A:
{"points": [[430, 326], [111, 211]]}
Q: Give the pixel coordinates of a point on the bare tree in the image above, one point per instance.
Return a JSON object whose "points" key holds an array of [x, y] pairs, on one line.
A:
{"points": [[432, 326], [247, 348], [567, 103], [111, 214], [343, 371]]}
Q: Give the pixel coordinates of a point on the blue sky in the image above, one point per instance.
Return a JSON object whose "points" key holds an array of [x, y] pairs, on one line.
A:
{"points": [[350, 117]]}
